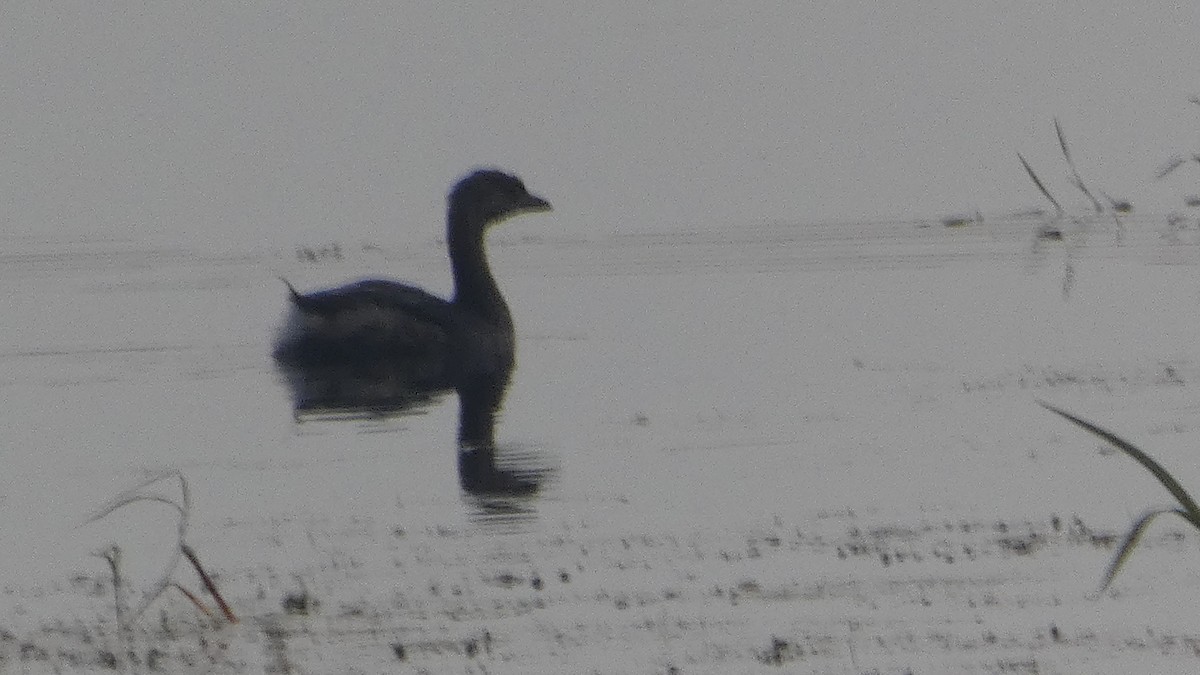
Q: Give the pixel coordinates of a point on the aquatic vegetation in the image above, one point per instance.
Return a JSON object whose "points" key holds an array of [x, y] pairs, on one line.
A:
{"points": [[1116, 206], [1186, 507], [112, 554]]}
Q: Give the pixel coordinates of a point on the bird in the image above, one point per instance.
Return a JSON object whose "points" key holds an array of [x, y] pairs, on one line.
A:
{"points": [[430, 342]]}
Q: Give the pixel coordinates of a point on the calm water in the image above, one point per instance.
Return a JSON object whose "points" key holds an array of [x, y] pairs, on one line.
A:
{"points": [[723, 369], [826, 433]]}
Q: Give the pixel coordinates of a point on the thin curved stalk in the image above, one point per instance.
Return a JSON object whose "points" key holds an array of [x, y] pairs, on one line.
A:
{"points": [[1038, 182], [1132, 537], [183, 508], [1075, 178], [1168, 481], [1187, 506]]}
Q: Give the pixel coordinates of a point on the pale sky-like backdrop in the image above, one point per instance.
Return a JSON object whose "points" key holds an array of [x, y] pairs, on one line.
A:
{"points": [[295, 123]]}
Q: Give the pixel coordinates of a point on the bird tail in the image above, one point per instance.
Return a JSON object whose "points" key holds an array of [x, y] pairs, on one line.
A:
{"points": [[296, 297]]}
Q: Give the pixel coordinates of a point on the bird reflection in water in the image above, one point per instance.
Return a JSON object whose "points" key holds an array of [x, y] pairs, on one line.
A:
{"points": [[500, 483], [380, 348]]}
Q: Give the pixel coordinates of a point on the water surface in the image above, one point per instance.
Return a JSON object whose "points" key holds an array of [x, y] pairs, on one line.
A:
{"points": [[682, 392]]}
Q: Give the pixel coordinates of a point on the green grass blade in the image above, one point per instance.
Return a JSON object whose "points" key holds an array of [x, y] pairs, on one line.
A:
{"points": [[1131, 540], [1038, 182], [1062, 143], [1075, 178], [1192, 513]]}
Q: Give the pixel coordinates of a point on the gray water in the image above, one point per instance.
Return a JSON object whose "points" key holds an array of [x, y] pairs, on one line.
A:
{"points": [[680, 397]]}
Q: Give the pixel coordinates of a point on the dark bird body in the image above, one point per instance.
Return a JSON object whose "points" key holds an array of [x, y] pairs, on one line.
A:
{"points": [[422, 341]]}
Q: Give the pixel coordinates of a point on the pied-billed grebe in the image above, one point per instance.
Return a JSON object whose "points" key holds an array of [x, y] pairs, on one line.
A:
{"points": [[382, 320]]}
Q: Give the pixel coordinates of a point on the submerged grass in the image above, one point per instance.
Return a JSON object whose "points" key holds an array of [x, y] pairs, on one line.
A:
{"points": [[1186, 508]]}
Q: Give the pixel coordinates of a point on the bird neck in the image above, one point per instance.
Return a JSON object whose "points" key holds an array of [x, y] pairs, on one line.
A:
{"points": [[474, 287]]}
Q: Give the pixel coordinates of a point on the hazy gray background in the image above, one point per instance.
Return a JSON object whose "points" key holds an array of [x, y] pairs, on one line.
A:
{"points": [[281, 125]]}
